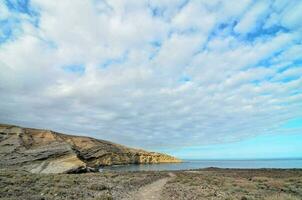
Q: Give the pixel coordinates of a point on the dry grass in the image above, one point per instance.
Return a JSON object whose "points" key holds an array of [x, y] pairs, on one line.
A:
{"points": [[282, 196], [106, 186], [214, 184], [221, 184]]}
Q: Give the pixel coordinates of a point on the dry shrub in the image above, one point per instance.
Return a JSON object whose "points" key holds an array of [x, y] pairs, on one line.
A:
{"points": [[281, 196]]}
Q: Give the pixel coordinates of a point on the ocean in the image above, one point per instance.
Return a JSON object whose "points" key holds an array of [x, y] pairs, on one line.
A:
{"points": [[199, 164]]}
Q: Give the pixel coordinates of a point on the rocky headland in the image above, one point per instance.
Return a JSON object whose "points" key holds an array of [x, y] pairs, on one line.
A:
{"points": [[46, 151]]}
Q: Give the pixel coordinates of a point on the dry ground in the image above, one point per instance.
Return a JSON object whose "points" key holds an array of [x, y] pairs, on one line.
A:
{"points": [[211, 184], [235, 184], [99, 186]]}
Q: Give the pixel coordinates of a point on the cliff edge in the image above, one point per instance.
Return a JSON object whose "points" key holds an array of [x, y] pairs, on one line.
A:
{"points": [[45, 151]]}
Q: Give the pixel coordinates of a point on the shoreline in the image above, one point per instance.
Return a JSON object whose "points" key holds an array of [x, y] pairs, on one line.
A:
{"points": [[202, 164]]}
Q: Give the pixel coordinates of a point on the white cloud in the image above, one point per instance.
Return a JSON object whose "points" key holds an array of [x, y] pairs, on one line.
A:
{"points": [[203, 22], [154, 73], [177, 51], [4, 13], [292, 15], [252, 17]]}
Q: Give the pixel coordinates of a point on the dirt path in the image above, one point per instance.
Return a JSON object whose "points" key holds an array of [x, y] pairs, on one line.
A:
{"points": [[151, 191]]}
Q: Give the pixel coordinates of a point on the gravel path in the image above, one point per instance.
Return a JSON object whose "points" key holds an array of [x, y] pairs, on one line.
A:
{"points": [[151, 191]]}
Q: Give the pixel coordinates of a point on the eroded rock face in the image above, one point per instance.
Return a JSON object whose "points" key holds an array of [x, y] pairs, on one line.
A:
{"points": [[44, 151]]}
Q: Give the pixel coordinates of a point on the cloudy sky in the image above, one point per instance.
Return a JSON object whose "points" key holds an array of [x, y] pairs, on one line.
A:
{"points": [[190, 78]]}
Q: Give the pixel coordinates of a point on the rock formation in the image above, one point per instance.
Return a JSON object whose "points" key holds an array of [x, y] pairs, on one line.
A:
{"points": [[45, 151]]}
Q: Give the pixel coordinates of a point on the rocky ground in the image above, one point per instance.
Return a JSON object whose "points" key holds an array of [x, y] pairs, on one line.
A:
{"points": [[16, 185], [198, 184], [231, 184]]}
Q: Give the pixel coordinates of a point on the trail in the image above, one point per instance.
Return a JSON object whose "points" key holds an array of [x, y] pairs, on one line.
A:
{"points": [[151, 191]]}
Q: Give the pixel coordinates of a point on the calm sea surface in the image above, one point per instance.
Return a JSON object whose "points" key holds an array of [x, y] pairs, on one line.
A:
{"points": [[197, 164]]}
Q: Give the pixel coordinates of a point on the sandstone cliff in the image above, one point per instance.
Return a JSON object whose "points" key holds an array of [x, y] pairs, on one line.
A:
{"points": [[44, 151]]}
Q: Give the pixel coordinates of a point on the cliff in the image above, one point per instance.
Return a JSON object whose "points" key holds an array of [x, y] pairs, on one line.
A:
{"points": [[45, 151]]}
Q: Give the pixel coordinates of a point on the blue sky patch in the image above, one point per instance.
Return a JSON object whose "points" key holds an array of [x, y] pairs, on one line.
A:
{"points": [[21, 6], [11, 28], [293, 123], [5, 30], [114, 61], [157, 12], [259, 147], [185, 79], [75, 68]]}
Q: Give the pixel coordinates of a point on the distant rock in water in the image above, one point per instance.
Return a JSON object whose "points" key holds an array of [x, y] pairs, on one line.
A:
{"points": [[45, 151]]}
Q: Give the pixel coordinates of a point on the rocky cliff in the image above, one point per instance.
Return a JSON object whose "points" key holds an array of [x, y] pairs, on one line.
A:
{"points": [[45, 151]]}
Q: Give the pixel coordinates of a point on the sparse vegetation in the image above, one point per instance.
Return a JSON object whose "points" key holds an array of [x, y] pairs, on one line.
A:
{"points": [[214, 184], [235, 184], [16, 185]]}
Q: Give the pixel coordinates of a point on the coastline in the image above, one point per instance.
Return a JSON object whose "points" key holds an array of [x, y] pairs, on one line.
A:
{"points": [[201, 164]]}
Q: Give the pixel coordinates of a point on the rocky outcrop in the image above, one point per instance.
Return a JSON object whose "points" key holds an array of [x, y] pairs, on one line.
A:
{"points": [[45, 151]]}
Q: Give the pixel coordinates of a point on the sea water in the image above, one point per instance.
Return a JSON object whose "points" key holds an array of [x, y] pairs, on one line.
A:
{"points": [[199, 164]]}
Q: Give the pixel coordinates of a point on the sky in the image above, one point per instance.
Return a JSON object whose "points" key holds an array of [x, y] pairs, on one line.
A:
{"points": [[196, 79]]}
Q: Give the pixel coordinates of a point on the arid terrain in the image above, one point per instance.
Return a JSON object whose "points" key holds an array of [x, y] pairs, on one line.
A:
{"points": [[38, 164], [208, 183]]}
